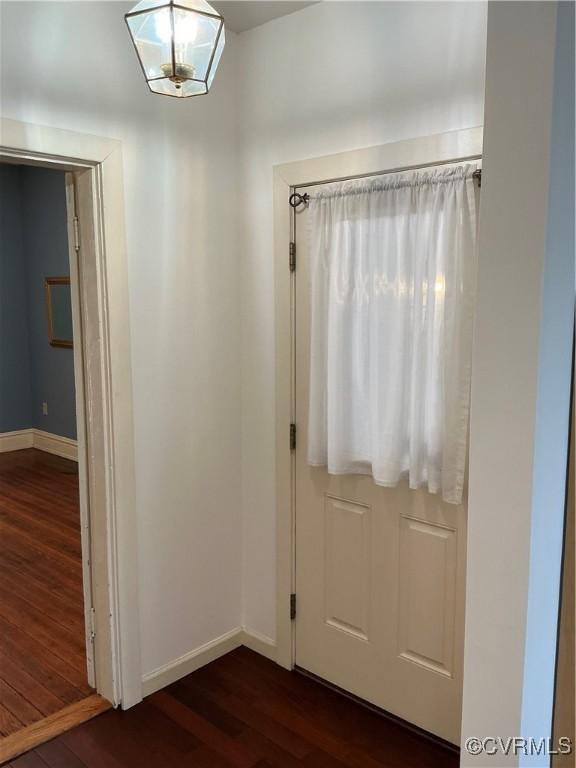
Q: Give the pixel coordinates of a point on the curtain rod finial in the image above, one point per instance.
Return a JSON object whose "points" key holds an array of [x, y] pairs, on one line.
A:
{"points": [[295, 199]]}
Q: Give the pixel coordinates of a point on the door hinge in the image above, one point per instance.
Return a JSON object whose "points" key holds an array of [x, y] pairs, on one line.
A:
{"points": [[292, 437], [292, 257], [292, 606], [92, 624], [76, 234]]}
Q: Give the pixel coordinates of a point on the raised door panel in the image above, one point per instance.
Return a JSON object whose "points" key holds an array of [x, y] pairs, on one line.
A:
{"points": [[347, 528], [427, 595]]}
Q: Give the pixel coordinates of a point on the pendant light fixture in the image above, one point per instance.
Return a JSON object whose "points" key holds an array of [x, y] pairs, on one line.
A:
{"points": [[179, 45]]}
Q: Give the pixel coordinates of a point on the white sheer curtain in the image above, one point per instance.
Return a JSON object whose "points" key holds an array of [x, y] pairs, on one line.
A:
{"points": [[393, 266]]}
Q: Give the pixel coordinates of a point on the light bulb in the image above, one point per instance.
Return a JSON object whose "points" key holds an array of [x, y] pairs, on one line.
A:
{"points": [[185, 27]]}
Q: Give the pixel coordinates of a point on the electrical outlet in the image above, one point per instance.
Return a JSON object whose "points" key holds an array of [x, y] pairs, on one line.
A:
{"points": [[45, 409]]}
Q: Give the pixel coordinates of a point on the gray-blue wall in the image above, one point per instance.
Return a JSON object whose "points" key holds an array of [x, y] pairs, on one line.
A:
{"points": [[34, 245], [15, 379]]}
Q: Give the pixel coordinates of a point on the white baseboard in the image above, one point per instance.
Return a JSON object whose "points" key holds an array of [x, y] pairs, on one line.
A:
{"points": [[259, 643], [17, 440], [220, 646], [169, 673], [43, 441], [59, 446]]}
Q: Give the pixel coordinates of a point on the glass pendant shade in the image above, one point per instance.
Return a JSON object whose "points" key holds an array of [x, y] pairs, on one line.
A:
{"points": [[179, 45]]}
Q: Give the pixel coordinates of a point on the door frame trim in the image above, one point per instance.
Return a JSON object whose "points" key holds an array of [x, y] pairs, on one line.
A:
{"points": [[95, 164], [454, 146]]}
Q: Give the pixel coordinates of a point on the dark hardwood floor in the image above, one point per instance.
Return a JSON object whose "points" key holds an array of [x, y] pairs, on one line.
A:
{"points": [[241, 711], [42, 655]]}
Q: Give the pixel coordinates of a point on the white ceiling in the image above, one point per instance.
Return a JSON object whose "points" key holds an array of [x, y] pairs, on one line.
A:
{"points": [[240, 15]]}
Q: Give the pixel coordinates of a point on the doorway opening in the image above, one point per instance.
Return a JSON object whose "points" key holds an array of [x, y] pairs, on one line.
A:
{"points": [[46, 605]]}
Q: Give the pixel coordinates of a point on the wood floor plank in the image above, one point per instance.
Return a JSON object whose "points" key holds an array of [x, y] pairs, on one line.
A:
{"points": [[88, 750], [230, 749], [49, 670], [30, 760], [60, 539], [57, 755], [70, 636], [20, 707], [118, 739], [204, 757], [209, 709], [34, 571], [269, 749], [212, 689], [296, 719], [30, 549], [37, 625], [45, 601], [16, 536], [8, 722], [28, 686], [44, 500], [148, 717]]}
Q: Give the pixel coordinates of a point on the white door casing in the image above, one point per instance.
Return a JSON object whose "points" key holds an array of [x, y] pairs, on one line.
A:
{"points": [[102, 366]]}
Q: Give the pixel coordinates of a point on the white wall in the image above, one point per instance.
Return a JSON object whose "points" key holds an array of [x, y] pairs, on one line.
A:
{"points": [[521, 382], [72, 65], [333, 77]]}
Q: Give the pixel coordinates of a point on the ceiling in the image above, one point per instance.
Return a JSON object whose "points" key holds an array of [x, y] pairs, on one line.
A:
{"points": [[240, 15]]}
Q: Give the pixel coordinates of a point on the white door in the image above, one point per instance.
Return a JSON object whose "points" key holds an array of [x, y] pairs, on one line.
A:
{"points": [[379, 574]]}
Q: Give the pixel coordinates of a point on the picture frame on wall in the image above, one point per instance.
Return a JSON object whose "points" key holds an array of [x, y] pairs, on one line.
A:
{"points": [[59, 309]]}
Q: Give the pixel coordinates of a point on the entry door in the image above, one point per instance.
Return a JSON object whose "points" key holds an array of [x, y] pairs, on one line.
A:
{"points": [[379, 574]]}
